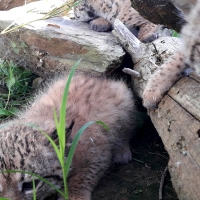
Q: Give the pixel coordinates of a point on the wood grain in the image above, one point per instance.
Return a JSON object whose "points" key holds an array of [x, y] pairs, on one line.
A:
{"points": [[177, 118]]}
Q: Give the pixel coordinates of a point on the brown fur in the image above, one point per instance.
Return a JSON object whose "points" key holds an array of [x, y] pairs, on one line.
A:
{"points": [[25, 148]]}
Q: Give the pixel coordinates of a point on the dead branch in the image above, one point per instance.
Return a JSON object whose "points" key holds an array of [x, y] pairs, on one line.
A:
{"points": [[132, 72]]}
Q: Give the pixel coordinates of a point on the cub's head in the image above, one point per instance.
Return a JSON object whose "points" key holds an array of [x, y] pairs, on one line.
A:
{"points": [[84, 13], [25, 149]]}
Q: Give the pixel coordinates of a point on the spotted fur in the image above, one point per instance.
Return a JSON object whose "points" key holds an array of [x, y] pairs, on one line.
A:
{"points": [[188, 56], [102, 14], [25, 148]]}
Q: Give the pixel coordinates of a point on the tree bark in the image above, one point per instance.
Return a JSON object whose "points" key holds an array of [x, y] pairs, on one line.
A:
{"points": [[160, 12], [177, 118], [8, 4], [52, 46]]}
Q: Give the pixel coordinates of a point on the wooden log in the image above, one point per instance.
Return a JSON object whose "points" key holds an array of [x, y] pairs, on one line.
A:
{"points": [[8, 4], [177, 118], [52, 46]]}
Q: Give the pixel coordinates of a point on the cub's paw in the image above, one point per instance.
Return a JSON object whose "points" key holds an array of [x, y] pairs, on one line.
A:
{"points": [[151, 98], [151, 38], [123, 155], [100, 25]]}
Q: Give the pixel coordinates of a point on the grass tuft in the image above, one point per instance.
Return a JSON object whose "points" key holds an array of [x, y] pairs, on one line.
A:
{"points": [[15, 87]]}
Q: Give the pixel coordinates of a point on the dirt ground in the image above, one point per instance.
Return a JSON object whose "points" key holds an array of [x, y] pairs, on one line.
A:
{"points": [[140, 179]]}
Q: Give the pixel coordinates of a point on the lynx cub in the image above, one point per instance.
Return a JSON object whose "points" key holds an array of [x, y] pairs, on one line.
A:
{"points": [[24, 148], [187, 56], [102, 15]]}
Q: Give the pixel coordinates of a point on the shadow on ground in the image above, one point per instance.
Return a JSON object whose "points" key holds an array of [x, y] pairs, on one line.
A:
{"points": [[140, 179]]}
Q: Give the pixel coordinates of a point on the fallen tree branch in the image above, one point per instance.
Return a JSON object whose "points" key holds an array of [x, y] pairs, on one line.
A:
{"points": [[132, 45]]}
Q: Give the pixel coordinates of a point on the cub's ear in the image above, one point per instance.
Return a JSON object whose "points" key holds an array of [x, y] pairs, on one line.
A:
{"points": [[68, 130]]}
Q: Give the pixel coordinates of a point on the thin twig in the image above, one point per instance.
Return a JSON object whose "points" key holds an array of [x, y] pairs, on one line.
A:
{"points": [[162, 183], [158, 155], [138, 160], [132, 72]]}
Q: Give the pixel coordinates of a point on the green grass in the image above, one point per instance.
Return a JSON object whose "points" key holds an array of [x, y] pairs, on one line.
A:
{"points": [[175, 34], [15, 87]]}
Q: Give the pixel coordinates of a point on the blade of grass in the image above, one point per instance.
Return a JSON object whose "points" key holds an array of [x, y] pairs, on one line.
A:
{"points": [[102, 124], [34, 190], [55, 118], [9, 82], [62, 123], [60, 126], [57, 11], [75, 142]]}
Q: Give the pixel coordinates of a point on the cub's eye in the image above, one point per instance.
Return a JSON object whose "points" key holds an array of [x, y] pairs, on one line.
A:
{"points": [[28, 186]]}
